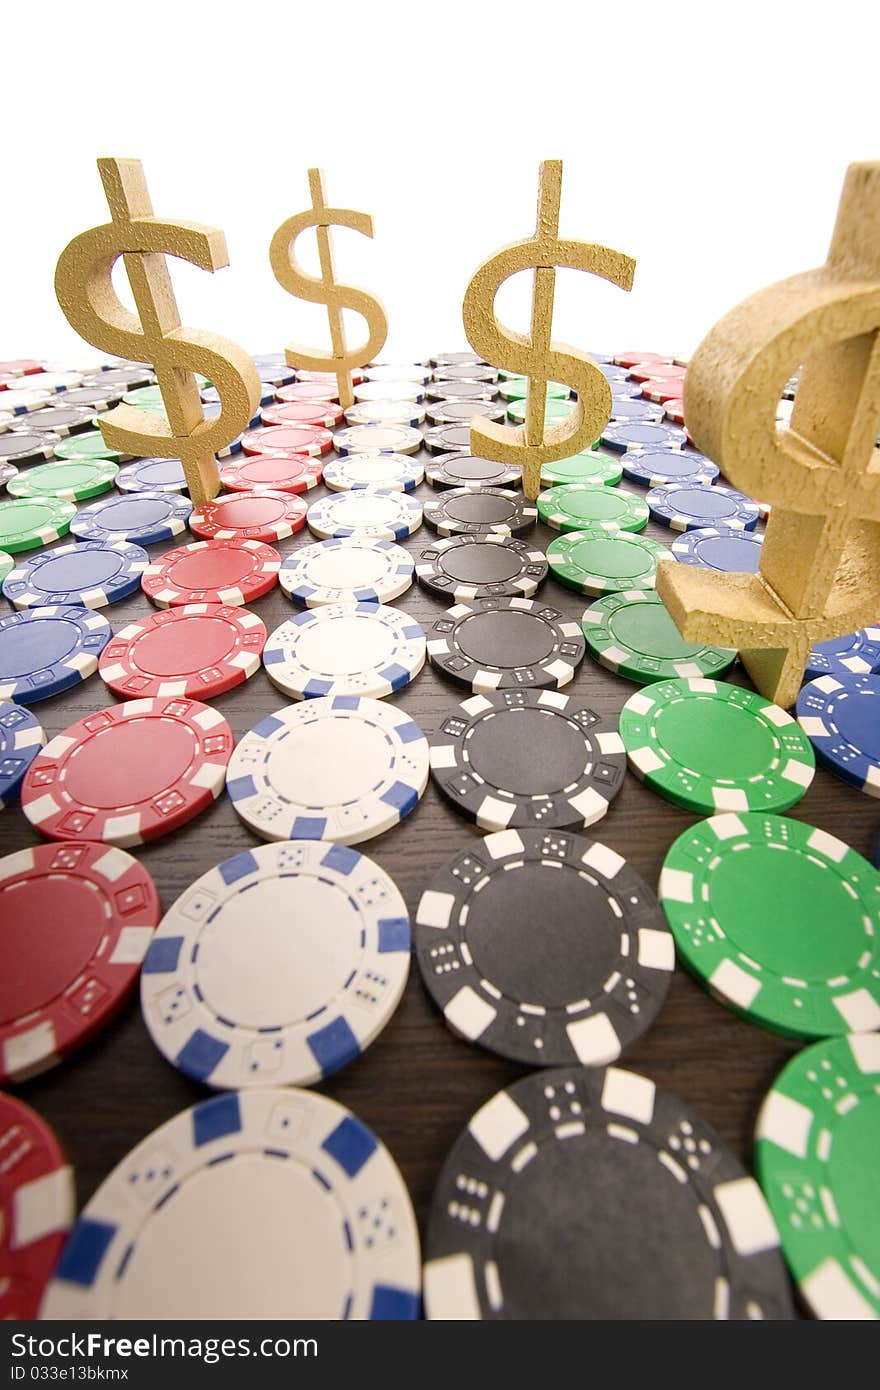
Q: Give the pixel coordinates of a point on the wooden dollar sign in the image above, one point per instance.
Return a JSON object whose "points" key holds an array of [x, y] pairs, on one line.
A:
{"points": [[534, 355], [820, 562], [85, 292], [323, 289]]}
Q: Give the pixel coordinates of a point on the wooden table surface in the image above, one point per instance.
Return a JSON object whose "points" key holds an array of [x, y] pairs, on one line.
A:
{"points": [[417, 1085]]}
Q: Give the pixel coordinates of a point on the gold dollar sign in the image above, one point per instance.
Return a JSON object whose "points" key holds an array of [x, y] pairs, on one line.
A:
{"points": [[820, 562], [85, 292], [323, 289], [534, 355]]}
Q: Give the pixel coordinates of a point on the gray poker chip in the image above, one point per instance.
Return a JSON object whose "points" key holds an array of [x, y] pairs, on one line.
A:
{"points": [[506, 643], [464, 568], [458, 469], [468, 511], [446, 390], [448, 439], [457, 412]]}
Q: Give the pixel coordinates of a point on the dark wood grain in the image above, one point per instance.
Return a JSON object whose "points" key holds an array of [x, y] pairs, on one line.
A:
{"points": [[417, 1085]]}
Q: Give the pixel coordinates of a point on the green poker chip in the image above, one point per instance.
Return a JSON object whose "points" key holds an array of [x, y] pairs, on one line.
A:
{"points": [[708, 746], [513, 388], [781, 922], [71, 480], [601, 562], [632, 633], [580, 506], [592, 466], [554, 411], [7, 565], [89, 445], [817, 1141], [27, 522], [150, 397]]}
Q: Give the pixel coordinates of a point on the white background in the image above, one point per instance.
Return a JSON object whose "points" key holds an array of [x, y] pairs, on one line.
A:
{"points": [[707, 141]]}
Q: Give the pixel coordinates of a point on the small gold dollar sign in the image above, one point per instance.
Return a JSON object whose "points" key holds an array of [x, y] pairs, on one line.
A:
{"points": [[534, 355], [323, 289], [85, 292], [820, 562]]}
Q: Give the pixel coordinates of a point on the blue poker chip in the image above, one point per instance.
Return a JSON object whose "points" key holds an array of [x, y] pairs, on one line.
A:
{"points": [[144, 517], [687, 506], [855, 654], [653, 467], [21, 738], [152, 475], [44, 651], [89, 573], [631, 408], [612, 372], [625, 390], [841, 718], [719, 548], [629, 435]]}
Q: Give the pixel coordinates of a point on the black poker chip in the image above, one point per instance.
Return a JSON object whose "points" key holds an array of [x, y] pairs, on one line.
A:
{"points": [[590, 1193], [460, 412], [468, 470], [528, 758], [483, 566], [447, 390], [470, 510], [506, 643], [61, 420]]}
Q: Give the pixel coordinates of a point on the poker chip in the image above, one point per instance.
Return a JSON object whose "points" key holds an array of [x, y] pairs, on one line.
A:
{"points": [[528, 758], [388, 516], [481, 566], [385, 413], [93, 398], [345, 649], [574, 506], [90, 573], [573, 1174], [855, 654], [46, 650], [597, 562], [7, 472], [353, 569], [21, 738], [515, 388], [55, 383], [661, 391], [674, 410], [152, 475], [505, 643], [654, 467], [632, 633], [839, 715], [720, 548], [388, 472], [129, 773], [396, 371], [16, 447], [628, 436], [272, 364], [22, 400], [354, 374], [591, 466], [128, 378], [143, 517], [148, 398], [456, 359], [458, 470], [323, 413], [20, 366], [305, 1195], [249, 516], [482, 510], [378, 439], [448, 439], [28, 522], [231, 572], [308, 391], [342, 769], [196, 649], [444, 390], [69, 481], [815, 1154], [311, 440], [77, 919], [458, 412], [88, 445], [631, 408], [466, 371], [751, 899], [708, 746], [687, 506], [37, 1207], [632, 358], [554, 411], [287, 984], [389, 389], [656, 369], [268, 473]]}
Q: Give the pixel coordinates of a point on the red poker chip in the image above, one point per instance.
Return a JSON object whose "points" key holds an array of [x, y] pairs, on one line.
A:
{"points": [[271, 473], [37, 1207], [21, 366], [308, 391], [231, 572], [288, 439], [75, 923], [197, 650], [303, 413], [129, 773], [252, 516], [631, 358], [662, 391], [356, 376], [657, 371], [674, 411]]}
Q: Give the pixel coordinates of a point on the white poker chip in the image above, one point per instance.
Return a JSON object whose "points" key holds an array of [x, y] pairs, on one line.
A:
{"points": [[378, 439], [390, 472], [277, 967], [274, 1203], [385, 412], [388, 389], [342, 768], [353, 569], [389, 516], [398, 371], [345, 649]]}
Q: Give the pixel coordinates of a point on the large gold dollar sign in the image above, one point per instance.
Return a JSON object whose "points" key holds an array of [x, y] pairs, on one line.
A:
{"points": [[85, 292], [323, 289], [820, 562], [534, 355]]}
